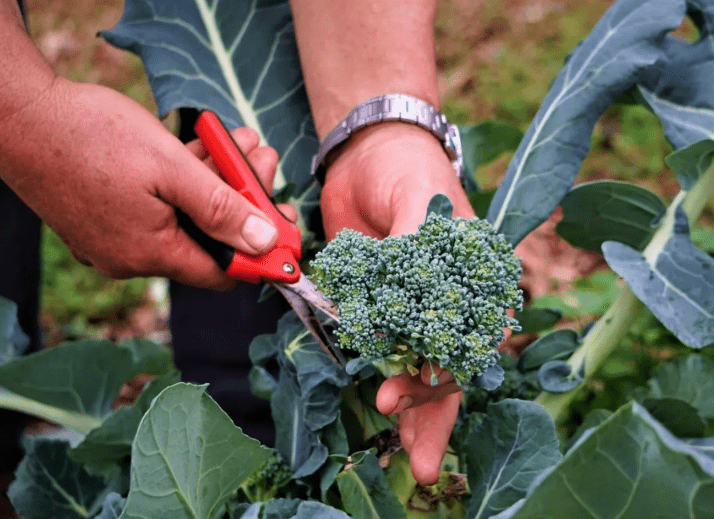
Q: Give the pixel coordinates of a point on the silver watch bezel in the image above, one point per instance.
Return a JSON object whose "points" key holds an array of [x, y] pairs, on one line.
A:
{"points": [[392, 107]]}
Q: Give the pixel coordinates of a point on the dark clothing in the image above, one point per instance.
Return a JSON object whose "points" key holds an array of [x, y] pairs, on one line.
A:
{"points": [[211, 335], [19, 282], [21, 3]]}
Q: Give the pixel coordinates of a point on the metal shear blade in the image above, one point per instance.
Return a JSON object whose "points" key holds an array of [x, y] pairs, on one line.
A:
{"points": [[304, 298]]}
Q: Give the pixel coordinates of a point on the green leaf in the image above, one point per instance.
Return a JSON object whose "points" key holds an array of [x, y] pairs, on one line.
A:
{"points": [[590, 295], [703, 238], [684, 106], [692, 162], [678, 416], [334, 437], [512, 445], [299, 444], [596, 212], [13, 342], [677, 285], [556, 345], [534, 320], [49, 484], [629, 466], [690, 379], [400, 478], [623, 44], [262, 383], [441, 205], [365, 492], [480, 200], [291, 509], [315, 510], [592, 420], [490, 379], [237, 59], [484, 142], [557, 376], [360, 414], [279, 508], [71, 384], [307, 395], [110, 444], [188, 457]]}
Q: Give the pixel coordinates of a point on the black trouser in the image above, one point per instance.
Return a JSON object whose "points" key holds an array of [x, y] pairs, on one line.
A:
{"points": [[19, 281], [211, 331]]}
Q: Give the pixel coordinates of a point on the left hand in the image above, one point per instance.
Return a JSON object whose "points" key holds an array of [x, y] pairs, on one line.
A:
{"points": [[381, 184], [426, 417]]}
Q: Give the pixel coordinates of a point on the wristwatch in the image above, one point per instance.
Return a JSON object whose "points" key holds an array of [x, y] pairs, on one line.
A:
{"points": [[392, 107]]}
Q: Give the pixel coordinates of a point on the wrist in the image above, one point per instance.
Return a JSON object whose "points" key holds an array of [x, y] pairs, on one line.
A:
{"points": [[379, 142], [399, 107], [329, 112]]}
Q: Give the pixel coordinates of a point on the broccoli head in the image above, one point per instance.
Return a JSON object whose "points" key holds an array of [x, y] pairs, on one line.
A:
{"points": [[439, 295], [265, 483]]}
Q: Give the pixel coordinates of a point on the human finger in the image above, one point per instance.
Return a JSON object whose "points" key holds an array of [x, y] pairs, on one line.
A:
{"points": [[216, 208], [425, 433], [264, 161], [245, 137], [404, 391]]}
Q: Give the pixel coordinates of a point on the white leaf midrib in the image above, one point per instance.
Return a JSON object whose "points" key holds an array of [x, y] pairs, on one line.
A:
{"points": [[223, 57]]}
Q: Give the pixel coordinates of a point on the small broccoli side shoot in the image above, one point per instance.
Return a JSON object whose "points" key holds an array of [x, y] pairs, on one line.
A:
{"points": [[438, 295]]}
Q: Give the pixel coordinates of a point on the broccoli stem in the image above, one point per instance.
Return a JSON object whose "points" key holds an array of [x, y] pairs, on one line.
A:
{"points": [[609, 330]]}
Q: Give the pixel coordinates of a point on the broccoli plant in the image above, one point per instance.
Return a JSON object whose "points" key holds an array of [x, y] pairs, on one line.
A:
{"points": [[266, 482], [439, 294]]}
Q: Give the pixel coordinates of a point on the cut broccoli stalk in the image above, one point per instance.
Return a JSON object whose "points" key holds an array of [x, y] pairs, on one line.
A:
{"points": [[440, 295]]}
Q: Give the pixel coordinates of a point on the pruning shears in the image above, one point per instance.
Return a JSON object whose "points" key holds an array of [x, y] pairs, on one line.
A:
{"points": [[280, 267]]}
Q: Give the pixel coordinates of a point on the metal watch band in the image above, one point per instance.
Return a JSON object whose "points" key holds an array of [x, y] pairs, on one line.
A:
{"points": [[392, 107]]}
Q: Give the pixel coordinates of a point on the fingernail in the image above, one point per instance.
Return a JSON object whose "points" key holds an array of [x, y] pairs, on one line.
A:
{"points": [[258, 233], [403, 403]]}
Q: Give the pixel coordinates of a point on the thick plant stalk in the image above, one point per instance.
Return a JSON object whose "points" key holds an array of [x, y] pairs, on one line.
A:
{"points": [[76, 421], [600, 341], [609, 330]]}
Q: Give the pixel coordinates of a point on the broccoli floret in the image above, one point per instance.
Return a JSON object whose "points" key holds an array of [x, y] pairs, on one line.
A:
{"points": [[441, 293], [268, 479]]}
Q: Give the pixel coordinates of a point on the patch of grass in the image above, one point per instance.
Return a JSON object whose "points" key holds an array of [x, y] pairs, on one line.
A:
{"points": [[77, 298]]}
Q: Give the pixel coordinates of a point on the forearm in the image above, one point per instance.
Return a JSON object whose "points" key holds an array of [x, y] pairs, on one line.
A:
{"points": [[353, 50], [24, 74]]}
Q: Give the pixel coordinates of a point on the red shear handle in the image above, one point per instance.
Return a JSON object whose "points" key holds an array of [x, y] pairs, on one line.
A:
{"points": [[281, 263]]}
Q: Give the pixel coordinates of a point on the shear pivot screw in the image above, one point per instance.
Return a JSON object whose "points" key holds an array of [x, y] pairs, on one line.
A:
{"points": [[289, 268]]}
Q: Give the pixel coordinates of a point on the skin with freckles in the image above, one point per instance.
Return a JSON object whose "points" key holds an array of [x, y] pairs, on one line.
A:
{"points": [[106, 175]]}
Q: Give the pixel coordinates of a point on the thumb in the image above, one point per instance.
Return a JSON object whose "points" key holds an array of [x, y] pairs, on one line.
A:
{"points": [[217, 209]]}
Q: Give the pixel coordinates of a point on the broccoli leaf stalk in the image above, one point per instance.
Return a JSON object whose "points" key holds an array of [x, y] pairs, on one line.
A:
{"points": [[439, 295], [609, 330]]}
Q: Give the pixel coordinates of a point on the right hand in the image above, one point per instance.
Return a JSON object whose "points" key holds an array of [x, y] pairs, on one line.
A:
{"points": [[106, 175]]}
